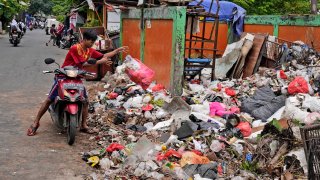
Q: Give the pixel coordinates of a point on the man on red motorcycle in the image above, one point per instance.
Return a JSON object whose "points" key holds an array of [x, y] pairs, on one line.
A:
{"points": [[77, 56]]}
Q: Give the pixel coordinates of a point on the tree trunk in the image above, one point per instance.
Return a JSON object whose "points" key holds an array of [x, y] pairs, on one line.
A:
{"points": [[314, 9]]}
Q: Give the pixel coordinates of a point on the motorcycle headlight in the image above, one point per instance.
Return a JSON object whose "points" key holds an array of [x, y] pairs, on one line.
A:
{"points": [[72, 73]]}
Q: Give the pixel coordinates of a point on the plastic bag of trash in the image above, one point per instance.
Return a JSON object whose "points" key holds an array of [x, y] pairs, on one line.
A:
{"points": [[298, 85], [106, 163], [219, 109], [161, 113], [312, 118], [216, 146], [206, 118], [193, 158], [203, 108], [311, 103], [138, 72], [155, 175], [197, 88], [143, 148], [293, 112]]}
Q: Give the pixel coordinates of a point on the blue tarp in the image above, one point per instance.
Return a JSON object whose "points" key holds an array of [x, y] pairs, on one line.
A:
{"points": [[228, 12]]}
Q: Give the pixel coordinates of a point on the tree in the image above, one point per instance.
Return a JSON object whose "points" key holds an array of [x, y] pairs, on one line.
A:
{"points": [[10, 8], [37, 6], [61, 7], [246, 4]]}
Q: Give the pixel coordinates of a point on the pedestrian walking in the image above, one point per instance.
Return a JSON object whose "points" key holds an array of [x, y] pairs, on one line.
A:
{"points": [[53, 33]]}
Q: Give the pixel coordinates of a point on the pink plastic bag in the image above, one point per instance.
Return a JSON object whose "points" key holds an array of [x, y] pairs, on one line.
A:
{"points": [[138, 72], [219, 109]]}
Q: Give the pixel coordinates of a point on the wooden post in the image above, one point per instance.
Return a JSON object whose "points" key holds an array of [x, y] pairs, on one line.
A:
{"points": [[105, 16]]}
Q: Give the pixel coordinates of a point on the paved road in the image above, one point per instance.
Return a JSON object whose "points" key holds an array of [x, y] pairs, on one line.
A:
{"points": [[22, 89]]}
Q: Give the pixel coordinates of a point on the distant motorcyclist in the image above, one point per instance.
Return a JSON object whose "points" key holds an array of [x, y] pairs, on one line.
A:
{"points": [[14, 24], [14, 27], [21, 25], [24, 27]]}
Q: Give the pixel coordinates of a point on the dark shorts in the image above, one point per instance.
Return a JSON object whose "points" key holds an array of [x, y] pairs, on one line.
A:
{"points": [[54, 91]]}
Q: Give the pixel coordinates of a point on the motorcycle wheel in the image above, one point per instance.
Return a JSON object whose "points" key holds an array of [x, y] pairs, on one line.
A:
{"points": [[72, 129], [15, 44]]}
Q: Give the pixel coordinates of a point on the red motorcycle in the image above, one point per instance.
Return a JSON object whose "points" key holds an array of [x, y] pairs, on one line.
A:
{"points": [[66, 110]]}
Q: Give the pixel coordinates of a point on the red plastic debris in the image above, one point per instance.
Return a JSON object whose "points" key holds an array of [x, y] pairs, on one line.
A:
{"points": [[112, 95], [298, 85], [157, 88], [220, 170], [245, 128], [197, 152], [283, 75], [172, 152], [195, 81], [114, 147], [147, 107], [219, 86], [160, 157], [230, 92], [169, 153]]}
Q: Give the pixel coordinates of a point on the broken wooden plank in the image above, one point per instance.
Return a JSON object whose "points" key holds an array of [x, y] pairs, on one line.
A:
{"points": [[253, 59]]}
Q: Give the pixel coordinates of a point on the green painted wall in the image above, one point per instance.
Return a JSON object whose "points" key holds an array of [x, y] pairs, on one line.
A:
{"points": [[276, 21]]}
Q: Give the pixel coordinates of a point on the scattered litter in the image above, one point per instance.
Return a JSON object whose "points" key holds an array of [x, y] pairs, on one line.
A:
{"points": [[227, 128]]}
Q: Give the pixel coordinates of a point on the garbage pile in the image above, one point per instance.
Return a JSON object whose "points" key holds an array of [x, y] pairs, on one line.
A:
{"points": [[237, 129]]}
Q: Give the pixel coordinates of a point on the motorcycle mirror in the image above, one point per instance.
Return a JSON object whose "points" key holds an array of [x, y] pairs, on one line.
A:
{"points": [[49, 61], [92, 61]]}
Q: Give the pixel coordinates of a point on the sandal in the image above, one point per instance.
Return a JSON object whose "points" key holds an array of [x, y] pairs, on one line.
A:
{"points": [[33, 129], [87, 130]]}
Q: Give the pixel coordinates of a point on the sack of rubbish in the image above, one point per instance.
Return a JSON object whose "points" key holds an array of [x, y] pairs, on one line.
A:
{"points": [[138, 72]]}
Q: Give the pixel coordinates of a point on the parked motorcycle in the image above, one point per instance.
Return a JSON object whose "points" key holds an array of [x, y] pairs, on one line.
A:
{"points": [[68, 41], [14, 36], [66, 110]]}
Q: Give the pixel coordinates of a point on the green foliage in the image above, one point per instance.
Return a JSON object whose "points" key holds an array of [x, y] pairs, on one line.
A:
{"points": [[274, 7], [61, 7], [252, 167], [60, 18], [276, 124], [246, 4], [9, 8], [92, 23], [37, 6]]}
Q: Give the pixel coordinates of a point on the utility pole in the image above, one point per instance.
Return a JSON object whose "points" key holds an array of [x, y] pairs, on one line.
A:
{"points": [[314, 9]]}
